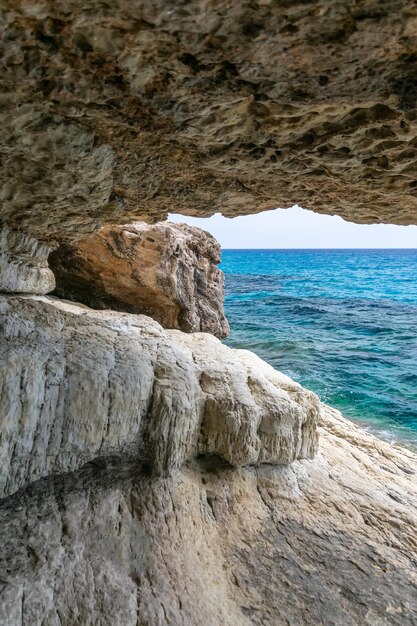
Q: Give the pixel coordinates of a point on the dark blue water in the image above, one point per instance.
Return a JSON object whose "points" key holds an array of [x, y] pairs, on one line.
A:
{"points": [[341, 322]]}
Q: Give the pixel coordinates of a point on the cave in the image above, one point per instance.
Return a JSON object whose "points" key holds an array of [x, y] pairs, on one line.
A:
{"points": [[152, 475]]}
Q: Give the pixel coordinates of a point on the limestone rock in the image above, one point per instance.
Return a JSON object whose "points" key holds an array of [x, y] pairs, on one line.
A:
{"points": [[24, 264], [245, 402], [324, 541], [168, 271], [78, 385], [120, 111]]}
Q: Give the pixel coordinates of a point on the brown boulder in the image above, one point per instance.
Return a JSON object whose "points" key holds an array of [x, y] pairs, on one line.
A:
{"points": [[167, 271]]}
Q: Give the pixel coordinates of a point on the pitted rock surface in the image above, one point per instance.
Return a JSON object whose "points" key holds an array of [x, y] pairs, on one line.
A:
{"points": [[121, 111], [167, 271]]}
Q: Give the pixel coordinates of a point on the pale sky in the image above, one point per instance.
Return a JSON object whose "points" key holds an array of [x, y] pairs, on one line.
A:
{"points": [[298, 228]]}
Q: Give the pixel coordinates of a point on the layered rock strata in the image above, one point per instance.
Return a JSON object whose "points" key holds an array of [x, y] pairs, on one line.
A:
{"points": [[78, 384], [166, 494], [120, 111], [24, 264], [167, 271], [324, 541]]}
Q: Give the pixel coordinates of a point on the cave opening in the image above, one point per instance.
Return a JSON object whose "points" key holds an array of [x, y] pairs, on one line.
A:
{"points": [[329, 303]]}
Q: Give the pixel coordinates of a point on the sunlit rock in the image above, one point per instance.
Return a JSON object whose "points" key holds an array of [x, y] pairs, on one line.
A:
{"points": [[324, 541], [168, 271], [78, 384]]}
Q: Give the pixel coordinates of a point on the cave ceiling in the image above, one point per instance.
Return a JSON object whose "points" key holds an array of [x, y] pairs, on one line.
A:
{"points": [[120, 110]]}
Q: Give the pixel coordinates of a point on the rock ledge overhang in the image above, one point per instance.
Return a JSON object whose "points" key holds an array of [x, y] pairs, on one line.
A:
{"points": [[122, 111]]}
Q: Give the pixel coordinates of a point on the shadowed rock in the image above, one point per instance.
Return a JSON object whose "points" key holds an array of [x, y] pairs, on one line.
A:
{"points": [[119, 111]]}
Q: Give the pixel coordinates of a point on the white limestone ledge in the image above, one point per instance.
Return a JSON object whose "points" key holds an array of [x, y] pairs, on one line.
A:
{"points": [[77, 384]]}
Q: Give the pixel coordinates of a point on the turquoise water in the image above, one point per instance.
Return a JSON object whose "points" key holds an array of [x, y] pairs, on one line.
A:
{"points": [[341, 322]]}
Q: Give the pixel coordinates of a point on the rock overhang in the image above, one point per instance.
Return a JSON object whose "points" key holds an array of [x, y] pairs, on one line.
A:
{"points": [[121, 111]]}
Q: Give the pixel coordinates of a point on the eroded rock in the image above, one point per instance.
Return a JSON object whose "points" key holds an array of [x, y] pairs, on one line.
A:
{"points": [[120, 111], [168, 271], [24, 264], [78, 384], [324, 541]]}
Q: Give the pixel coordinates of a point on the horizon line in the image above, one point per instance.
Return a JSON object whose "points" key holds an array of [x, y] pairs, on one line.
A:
{"points": [[322, 248]]}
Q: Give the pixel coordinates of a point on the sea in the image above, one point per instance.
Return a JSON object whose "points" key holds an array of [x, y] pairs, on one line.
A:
{"points": [[343, 323]]}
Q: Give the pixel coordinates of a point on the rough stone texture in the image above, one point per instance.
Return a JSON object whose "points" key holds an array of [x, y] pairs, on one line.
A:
{"points": [[328, 541], [78, 384], [24, 264], [123, 110], [168, 271]]}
